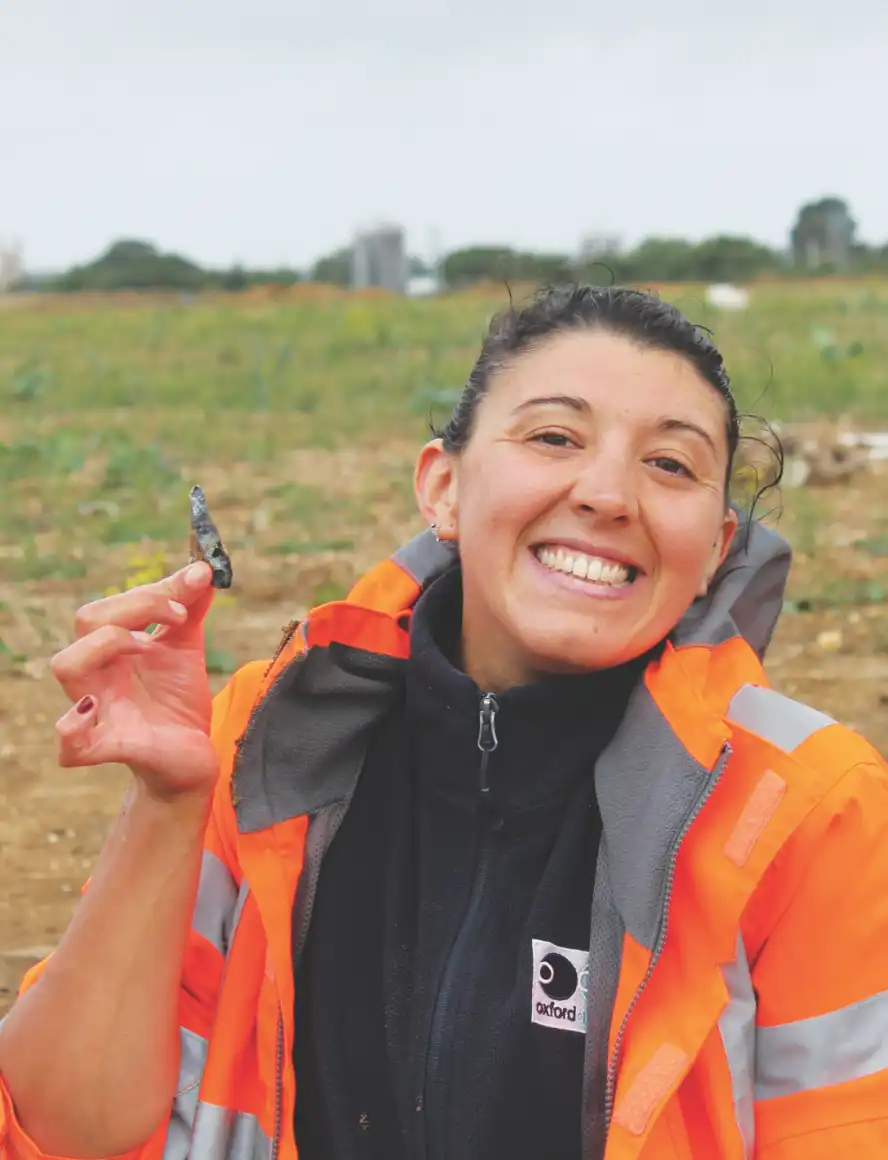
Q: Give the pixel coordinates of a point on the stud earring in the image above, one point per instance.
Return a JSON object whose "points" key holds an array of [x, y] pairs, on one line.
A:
{"points": [[437, 533]]}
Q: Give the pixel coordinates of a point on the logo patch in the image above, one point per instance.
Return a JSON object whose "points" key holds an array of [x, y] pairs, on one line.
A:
{"points": [[560, 992]]}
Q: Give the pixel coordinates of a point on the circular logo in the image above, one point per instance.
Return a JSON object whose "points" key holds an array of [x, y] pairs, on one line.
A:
{"points": [[557, 976]]}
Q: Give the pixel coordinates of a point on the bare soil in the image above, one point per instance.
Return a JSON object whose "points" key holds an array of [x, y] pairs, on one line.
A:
{"points": [[53, 821]]}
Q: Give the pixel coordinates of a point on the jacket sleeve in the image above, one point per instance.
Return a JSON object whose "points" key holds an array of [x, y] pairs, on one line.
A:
{"points": [[821, 983], [215, 914]]}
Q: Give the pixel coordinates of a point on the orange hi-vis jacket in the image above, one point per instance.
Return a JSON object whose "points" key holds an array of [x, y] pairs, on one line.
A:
{"points": [[738, 968]]}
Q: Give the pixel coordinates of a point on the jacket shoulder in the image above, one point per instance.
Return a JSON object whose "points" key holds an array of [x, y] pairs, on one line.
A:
{"points": [[828, 783], [810, 737]]}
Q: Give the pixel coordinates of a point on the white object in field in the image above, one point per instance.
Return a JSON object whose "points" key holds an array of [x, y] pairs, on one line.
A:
{"points": [[422, 285], [724, 296], [795, 472], [875, 442]]}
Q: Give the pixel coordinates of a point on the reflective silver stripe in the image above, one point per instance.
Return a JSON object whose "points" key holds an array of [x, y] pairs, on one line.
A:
{"points": [[839, 1047], [778, 719], [199, 1131], [737, 1029], [194, 1125], [191, 1064], [221, 1134], [238, 909], [216, 901]]}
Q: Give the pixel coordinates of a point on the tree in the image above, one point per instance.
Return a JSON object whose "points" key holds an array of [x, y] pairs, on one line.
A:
{"points": [[235, 279], [500, 263], [334, 268], [658, 260], [131, 264], [823, 235], [732, 259]]}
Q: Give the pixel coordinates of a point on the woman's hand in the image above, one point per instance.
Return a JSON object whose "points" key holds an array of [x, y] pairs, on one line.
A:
{"points": [[143, 699]]}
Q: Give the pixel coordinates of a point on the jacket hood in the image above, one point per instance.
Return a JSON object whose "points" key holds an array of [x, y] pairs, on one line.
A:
{"points": [[746, 594]]}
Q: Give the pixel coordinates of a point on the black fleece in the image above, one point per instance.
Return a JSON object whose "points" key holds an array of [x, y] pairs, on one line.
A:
{"points": [[419, 1029]]}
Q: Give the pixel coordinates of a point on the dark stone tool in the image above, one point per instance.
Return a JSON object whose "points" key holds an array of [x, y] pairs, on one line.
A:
{"points": [[206, 543]]}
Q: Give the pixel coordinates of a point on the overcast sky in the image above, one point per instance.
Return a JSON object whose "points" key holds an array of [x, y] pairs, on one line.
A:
{"points": [[266, 131]]}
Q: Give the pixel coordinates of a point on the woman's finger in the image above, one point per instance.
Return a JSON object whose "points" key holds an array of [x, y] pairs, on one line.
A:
{"points": [[170, 601], [86, 739], [76, 731], [130, 610], [77, 664]]}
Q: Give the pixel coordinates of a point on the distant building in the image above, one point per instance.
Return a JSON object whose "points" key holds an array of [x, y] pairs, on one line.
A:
{"points": [[595, 246], [379, 258], [11, 267], [823, 234]]}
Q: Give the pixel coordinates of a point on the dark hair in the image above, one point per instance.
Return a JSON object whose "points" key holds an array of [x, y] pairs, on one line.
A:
{"points": [[640, 317]]}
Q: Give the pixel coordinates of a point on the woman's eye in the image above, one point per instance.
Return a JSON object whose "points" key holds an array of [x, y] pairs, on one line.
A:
{"points": [[671, 466], [553, 439]]}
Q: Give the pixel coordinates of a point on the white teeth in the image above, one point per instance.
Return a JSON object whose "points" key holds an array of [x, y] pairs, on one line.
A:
{"points": [[589, 568]]}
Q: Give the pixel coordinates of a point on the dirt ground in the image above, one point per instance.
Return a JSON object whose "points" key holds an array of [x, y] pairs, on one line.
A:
{"points": [[53, 821]]}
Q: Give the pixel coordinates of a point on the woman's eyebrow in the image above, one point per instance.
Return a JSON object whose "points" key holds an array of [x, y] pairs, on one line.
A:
{"points": [[577, 403], [687, 425], [573, 401]]}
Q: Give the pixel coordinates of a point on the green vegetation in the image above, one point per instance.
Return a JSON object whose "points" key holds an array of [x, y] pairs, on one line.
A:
{"points": [[328, 372], [108, 412]]}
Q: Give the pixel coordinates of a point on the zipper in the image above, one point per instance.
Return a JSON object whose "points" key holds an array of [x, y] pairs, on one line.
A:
{"points": [[487, 738], [487, 743], [278, 1088], [660, 941]]}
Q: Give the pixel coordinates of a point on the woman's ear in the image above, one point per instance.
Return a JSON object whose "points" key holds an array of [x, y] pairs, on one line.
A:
{"points": [[720, 548], [435, 488]]}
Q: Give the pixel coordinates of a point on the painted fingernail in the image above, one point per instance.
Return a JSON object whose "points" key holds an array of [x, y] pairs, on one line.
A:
{"points": [[84, 705], [177, 608], [196, 574]]}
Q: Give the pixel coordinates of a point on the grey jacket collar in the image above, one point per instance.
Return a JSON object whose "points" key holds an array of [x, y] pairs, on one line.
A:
{"points": [[305, 742]]}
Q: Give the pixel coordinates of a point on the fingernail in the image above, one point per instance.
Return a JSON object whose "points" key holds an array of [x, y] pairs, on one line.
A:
{"points": [[177, 608], [84, 705], [196, 574]]}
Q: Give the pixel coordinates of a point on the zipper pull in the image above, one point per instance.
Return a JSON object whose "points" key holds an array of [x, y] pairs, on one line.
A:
{"points": [[487, 738]]}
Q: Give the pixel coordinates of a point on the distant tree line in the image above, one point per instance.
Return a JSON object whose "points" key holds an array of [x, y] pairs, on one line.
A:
{"points": [[822, 241]]}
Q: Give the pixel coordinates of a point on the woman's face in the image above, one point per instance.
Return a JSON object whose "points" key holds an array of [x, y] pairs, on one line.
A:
{"points": [[589, 506]]}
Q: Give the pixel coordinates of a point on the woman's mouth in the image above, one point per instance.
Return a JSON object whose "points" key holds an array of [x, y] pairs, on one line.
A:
{"points": [[591, 569]]}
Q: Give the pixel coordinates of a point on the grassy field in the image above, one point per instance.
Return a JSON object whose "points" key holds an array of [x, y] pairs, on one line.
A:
{"points": [[107, 412], [301, 416]]}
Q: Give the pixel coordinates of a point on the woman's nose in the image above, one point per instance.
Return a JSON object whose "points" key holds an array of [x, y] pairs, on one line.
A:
{"points": [[606, 486]]}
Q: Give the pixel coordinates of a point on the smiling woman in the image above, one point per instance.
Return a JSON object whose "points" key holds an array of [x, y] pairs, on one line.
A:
{"points": [[588, 462], [514, 852]]}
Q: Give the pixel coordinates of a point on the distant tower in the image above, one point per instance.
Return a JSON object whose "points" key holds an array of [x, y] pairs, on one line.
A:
{"points": [[379, 258], [823, 234], [595, 246], [11, 267]]}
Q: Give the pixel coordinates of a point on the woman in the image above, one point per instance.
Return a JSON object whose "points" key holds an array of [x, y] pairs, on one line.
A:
{"points": [[512, 853]]}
